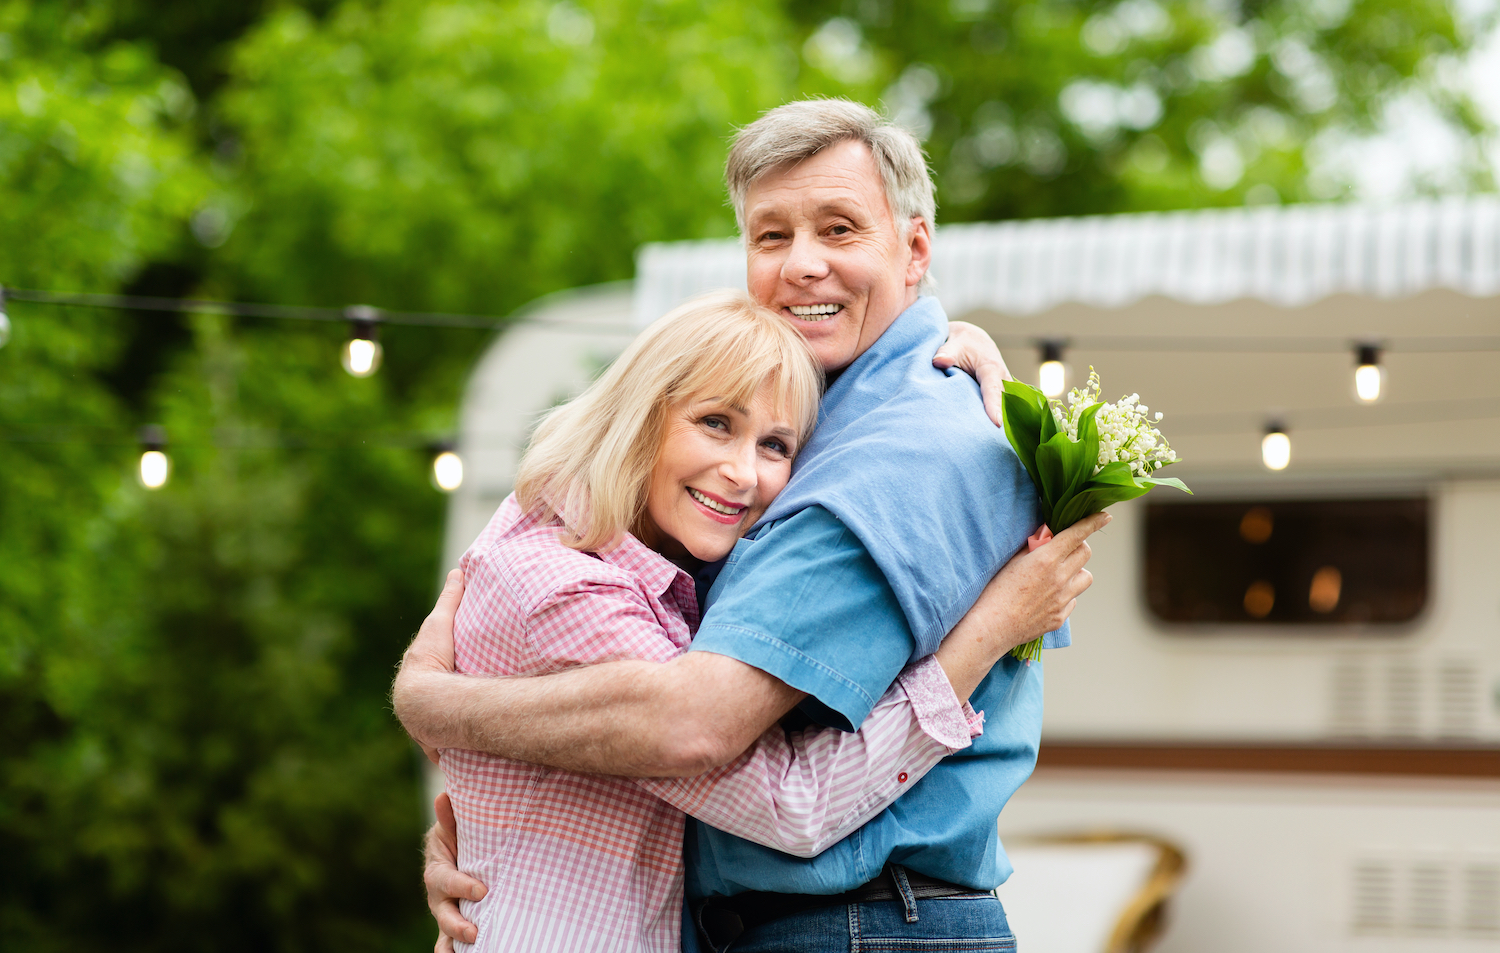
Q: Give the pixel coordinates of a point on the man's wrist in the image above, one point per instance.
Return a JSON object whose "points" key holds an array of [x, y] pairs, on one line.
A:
{"points": [[429, 704]]}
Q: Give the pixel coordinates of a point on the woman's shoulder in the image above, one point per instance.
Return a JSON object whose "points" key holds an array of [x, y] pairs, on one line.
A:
{"points": [[529, 555]]}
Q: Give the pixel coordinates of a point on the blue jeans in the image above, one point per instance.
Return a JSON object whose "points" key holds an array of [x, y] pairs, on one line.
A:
{"points": [[949, 924]]}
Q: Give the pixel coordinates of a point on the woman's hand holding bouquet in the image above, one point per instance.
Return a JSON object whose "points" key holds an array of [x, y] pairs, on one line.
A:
{"points": [[1083, 456]]}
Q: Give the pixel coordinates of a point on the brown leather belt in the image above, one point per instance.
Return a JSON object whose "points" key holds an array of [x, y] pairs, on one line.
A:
{"points": [[722, 919]]}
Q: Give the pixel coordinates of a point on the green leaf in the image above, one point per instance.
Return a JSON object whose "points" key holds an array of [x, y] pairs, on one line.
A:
{"points": [[1088, 449], [1022, 408], [1058, 461], [1167, 481], [1095, 498], [1117, 474]]}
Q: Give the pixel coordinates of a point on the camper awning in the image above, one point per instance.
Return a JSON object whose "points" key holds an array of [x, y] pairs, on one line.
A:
{"points": [[1284, 255]]}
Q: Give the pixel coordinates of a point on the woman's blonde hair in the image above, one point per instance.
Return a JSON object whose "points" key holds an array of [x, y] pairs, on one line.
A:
{"points": [[589, 463]]}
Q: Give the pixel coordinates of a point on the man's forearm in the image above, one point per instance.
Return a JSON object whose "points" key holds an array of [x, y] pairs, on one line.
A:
{"points": [[599, 719], [637, 719]]}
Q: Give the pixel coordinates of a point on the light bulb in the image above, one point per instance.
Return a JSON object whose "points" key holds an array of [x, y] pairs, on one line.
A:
{"points": [[361, 354], [154, 469], [1368, 375], [361, 357], [1052, 378], [1276, 449], [4, 328], [448, 471]]}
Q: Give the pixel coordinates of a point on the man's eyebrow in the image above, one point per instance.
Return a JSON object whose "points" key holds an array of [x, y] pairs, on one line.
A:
{"points": [[839, 208]]}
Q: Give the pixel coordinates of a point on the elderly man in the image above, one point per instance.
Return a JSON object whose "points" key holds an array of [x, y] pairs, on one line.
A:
{"points": [[900, 511]]}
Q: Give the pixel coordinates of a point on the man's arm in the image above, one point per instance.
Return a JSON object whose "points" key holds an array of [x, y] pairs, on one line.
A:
{"points": [[629, 718], [694, 713]]}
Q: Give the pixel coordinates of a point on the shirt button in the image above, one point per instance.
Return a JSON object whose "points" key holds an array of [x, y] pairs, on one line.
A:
{"points": [[901, 778]]}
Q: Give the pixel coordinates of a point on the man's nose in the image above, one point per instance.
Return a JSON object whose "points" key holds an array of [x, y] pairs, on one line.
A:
{"points": [[804, 261]]}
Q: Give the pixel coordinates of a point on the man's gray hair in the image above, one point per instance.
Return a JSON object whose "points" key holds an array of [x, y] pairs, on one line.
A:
{"points": [[797, 131]]}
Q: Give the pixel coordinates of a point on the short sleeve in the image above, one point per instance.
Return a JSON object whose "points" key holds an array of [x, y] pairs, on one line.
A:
{"points": [[588, 614], [805, 602]]}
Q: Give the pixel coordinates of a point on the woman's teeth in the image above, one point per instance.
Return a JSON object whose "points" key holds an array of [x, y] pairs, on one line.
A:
{"points": [[715, 505], [814, 311]]}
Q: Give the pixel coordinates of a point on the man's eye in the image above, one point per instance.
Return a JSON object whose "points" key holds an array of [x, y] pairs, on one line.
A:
{"points": [[772, 236], [840, 230]]}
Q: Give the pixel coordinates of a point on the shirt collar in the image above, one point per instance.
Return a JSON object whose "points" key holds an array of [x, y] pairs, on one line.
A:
{"points": [[656, 572]]}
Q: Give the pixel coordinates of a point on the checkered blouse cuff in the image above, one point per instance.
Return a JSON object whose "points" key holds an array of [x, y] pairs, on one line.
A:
{"points": [[940, 714]]}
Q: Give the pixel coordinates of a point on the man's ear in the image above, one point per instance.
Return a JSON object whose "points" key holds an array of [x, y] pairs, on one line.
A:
{"points": [[920, 242]]}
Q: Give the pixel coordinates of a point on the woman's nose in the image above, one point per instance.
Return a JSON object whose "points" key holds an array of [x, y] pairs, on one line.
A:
{"points": [[738, 467]]}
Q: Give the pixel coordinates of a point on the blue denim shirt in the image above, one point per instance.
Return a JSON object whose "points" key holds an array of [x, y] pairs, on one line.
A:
{"points": [[805, 601]]}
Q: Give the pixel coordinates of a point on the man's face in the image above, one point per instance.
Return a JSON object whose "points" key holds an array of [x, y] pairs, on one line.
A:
{"points": [[824, 250]]}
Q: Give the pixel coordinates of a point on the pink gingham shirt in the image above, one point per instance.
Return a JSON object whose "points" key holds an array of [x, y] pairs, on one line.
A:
{"points": [[589, 862]]}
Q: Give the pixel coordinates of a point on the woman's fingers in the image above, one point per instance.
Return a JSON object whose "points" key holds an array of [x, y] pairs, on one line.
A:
{"points": [[1070, 538], [971, 350]]}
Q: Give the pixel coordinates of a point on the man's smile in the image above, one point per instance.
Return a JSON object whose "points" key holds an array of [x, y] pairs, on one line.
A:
{"points": [[814, 312]]}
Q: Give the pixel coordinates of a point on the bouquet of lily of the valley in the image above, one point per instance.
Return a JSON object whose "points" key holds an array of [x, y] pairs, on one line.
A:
{"points": [[1083, 455]]}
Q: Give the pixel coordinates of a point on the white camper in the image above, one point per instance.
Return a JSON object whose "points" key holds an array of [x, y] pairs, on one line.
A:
{"points": [[1293, 675]]}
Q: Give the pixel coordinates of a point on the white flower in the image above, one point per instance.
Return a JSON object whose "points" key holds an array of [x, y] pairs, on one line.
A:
{"points": [[1126, 434]]}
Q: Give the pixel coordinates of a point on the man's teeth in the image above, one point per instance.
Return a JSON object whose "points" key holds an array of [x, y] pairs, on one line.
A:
{"points": [[715, 505], [814, 310]]}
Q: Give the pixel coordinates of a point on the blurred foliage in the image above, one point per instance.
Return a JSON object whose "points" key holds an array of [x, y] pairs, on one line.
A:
{"points": [[198, 753], [1068, 108]]}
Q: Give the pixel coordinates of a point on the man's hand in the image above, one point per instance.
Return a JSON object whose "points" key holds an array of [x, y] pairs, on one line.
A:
{"points": [[446, 885], [972, 351], [432, 648], [1031, 595]]}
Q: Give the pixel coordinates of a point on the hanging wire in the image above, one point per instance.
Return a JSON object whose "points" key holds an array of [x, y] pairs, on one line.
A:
{"points": [[1203, 344], [431, 319], [1224, 344]]}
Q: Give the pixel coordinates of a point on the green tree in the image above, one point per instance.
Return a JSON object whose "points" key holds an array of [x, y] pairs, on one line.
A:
{"points": [[204, 759], [198, 753], [1075, 107]]}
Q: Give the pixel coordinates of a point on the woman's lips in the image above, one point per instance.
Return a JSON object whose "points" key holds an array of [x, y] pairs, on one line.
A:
{"points": [[712, 507]]}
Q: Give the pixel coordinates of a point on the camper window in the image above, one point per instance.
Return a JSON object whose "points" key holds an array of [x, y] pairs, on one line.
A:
{"points": [[1328, 563]]}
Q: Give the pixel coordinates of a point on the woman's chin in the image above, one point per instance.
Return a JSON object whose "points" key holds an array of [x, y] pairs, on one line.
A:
{"points": [[710, 550]]}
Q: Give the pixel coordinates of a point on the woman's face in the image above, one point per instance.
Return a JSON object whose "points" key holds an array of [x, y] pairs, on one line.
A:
{"points": [[718, 469]]}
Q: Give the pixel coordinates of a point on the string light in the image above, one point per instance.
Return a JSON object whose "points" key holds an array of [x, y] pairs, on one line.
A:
{"points": [[1052, 375], [447, 469], [1369, 374], [4, 321], [361, 354], [155, 466], [1276, 448]]}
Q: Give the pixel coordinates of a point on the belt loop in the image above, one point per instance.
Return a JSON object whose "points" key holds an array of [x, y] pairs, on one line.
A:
{"points": [[903, 887]]}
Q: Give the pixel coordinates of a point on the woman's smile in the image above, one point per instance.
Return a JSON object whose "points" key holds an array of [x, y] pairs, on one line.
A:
{"points": [[718, 510]]}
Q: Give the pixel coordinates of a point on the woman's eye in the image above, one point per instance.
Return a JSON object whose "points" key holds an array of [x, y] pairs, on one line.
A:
{"points": [[777, 446], [716, 423]]}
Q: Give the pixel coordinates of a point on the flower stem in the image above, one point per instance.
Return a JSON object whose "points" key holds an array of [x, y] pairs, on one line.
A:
{"points": [[1030, 652]]}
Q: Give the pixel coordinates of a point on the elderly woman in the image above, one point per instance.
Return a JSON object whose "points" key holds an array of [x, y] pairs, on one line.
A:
{"points": [[655, 470]]}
